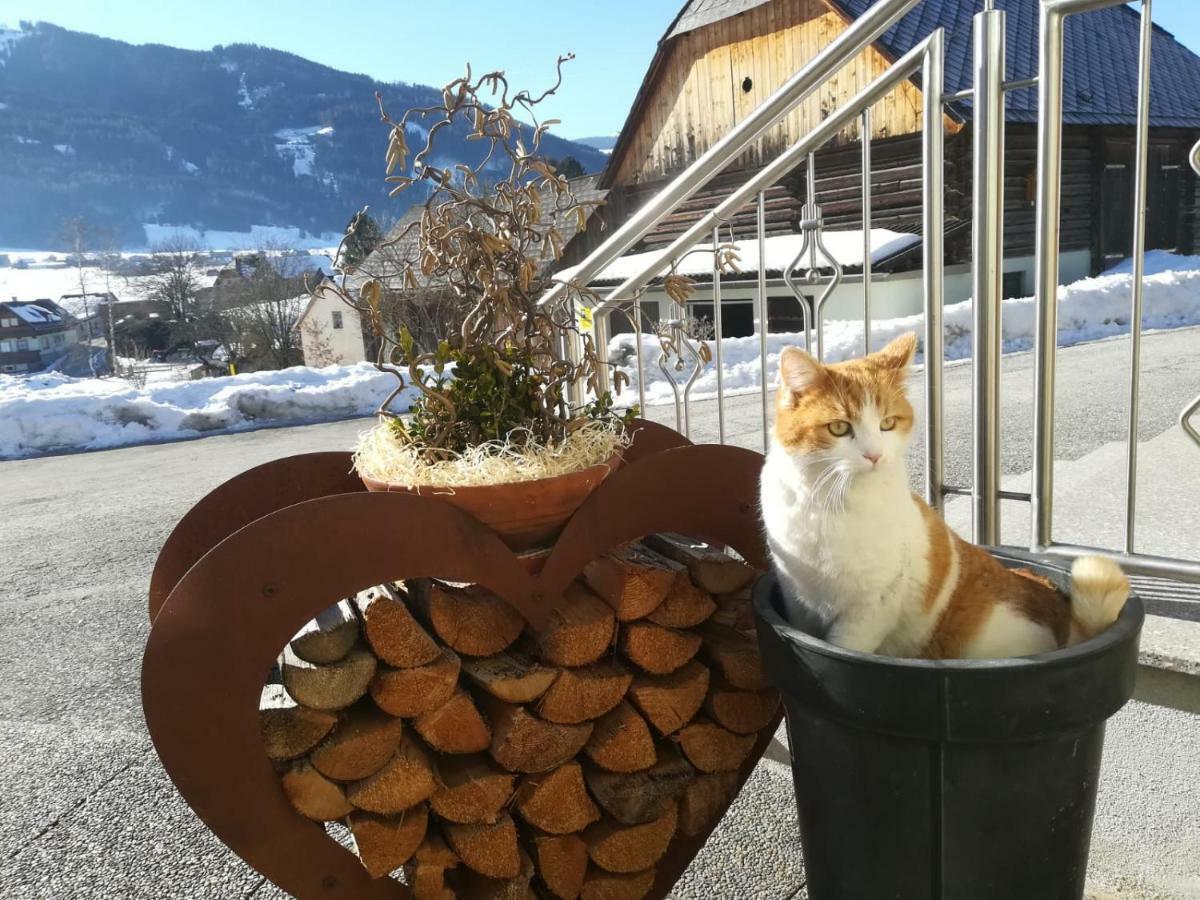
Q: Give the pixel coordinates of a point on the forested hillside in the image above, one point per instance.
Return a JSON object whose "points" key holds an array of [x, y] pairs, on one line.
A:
{"points": [[224, 139]]}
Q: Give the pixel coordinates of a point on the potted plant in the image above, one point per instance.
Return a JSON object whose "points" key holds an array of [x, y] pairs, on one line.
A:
{"points": [[922, 778], [497, 421]]}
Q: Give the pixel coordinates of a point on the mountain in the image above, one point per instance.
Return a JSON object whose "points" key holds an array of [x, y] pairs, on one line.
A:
{"points": [[604, 143], [225, 139]]}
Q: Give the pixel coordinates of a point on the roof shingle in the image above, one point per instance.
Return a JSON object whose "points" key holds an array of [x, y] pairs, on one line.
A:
{"points": [[1100, 58]]}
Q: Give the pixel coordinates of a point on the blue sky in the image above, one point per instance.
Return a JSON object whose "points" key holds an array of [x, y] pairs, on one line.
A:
{"points": [[402, 40]]}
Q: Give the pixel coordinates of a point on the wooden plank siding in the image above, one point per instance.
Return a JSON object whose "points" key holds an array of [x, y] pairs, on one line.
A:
{"points": [[895, 181], [717, 75]]}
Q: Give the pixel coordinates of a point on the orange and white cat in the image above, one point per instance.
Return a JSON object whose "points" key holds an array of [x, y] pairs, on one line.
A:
{"points": [[854, 545]]}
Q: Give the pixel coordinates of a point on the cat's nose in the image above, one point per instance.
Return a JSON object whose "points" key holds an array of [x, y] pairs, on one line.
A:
{"points": [[873, 457]]}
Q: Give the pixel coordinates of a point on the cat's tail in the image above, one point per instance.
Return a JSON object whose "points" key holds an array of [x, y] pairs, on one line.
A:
{"points": [[1099, 590]]}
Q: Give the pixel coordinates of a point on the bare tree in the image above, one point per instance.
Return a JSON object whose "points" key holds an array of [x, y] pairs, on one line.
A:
{"points": [[318, 348], [276, 299], [77, 233], [175, 278]]}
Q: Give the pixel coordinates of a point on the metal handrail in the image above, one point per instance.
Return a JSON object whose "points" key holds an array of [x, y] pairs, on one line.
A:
{"points": [[857, 37], [988, 117], [900, 70]]}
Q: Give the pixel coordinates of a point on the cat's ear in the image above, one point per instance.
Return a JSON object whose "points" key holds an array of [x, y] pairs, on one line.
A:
{"points": [[798, 372], [899, 353]]}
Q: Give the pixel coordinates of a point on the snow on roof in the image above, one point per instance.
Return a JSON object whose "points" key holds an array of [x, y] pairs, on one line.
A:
{"points": [[32, 314], [845, 246], [292, 265]]}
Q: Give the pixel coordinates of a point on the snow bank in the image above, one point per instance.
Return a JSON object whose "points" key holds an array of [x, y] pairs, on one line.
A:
{"points": [[1157, 262], [53, 412], [1088, 310]]}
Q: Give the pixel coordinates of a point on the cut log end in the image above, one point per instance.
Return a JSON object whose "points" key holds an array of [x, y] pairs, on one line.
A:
{"points": [[330, 687], [633, 581], [579, 631], [561, 861], [742, 712], [471, 790], [489, 849], [685, 606], [556, 802], [621, 741], [656, 649], [418, 689], [711, 748], [712, 569], [523, 742], [735, 655], [426, 871], [585, 693], [386, 843], [454, 727], [480, 887], [289, 732], [670, 701], [363, 741], [704, 800], [392, 631], [404, 781], [328, 637], [735, 611], [631, 848], [642, 796], [511, 676], [471, 620], [312, 794]]}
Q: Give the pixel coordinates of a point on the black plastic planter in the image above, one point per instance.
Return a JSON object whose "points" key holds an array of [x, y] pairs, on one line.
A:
{"points": [[946, 780]]}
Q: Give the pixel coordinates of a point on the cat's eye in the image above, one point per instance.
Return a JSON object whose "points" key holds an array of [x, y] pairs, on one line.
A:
{"points": [[839, 428], [887, 424]]}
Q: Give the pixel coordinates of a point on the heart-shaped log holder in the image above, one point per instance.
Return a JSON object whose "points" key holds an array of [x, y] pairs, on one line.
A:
{"points": [[268, 550]]}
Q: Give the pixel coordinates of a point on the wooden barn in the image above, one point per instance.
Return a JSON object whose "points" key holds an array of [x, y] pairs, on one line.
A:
{"points": [[719, 59]]}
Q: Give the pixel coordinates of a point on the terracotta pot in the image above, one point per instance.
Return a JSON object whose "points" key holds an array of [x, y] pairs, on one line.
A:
{"points": [[524, 514]]}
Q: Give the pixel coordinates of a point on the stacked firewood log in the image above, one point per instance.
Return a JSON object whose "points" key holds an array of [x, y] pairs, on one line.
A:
{"points": [[490, 759]]}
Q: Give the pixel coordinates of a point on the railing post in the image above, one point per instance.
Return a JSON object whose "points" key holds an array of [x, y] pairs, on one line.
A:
{"points": [[1141, 160], [719, 334], [1049, 176], [763, 313], [987, 243], [932, 86], [866, 127]]}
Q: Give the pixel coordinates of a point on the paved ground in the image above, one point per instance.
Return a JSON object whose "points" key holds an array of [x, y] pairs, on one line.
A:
{"points": [[86, 811]]}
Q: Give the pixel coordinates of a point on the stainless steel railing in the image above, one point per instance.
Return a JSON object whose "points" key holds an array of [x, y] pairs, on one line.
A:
{"points": [[1049, 167], [988, 111]]}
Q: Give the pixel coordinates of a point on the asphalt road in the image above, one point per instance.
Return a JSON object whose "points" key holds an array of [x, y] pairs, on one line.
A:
{"points": [[85, 809]]}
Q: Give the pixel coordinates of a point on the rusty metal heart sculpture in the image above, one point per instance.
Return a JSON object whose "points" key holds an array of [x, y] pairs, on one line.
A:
{"points": [[268, 550]]}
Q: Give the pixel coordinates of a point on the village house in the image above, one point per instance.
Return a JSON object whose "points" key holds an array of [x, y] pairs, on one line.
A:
{"points": [[34, 334], [331, 333], [720, 59]]}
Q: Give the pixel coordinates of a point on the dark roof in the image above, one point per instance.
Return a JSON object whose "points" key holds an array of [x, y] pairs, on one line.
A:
{"points": [[1099, 65], [1100, 58], [699, 13], [40, 315]]}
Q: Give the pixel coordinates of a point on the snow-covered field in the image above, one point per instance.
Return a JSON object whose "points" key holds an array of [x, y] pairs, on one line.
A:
{"points": [[257, 236], [1088, 310], [41, 413], [50, 412]]}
